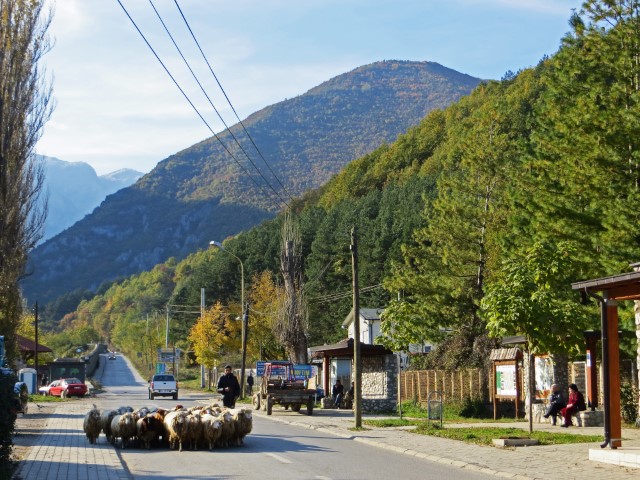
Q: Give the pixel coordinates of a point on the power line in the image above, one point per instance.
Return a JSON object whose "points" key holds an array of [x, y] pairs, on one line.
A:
{"points": [[229, 101], [191, 103], [338, 296], [195, 77]]}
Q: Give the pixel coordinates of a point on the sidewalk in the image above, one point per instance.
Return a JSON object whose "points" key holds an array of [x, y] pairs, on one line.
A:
{"points": [[540, 462], [63, 452]]}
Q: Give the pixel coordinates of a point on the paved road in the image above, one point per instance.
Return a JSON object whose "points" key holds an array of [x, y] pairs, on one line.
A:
{"points": [[272, 450]]}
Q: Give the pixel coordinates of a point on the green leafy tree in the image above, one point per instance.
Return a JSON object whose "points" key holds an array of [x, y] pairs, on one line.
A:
{"points": [[534, 299]]}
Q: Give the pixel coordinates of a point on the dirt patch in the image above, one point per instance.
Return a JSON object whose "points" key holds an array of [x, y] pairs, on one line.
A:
{"points": [[29, 427]]}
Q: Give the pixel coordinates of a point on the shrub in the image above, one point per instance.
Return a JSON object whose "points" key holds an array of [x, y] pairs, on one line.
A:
{"points": [[7, 422], [629, 402]]}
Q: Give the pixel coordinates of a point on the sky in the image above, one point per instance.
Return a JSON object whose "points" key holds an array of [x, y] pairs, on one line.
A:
{"points": [[116, 107]]}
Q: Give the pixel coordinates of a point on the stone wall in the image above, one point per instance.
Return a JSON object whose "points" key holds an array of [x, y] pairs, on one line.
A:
{"points": [[94, 359], [379, 383]]}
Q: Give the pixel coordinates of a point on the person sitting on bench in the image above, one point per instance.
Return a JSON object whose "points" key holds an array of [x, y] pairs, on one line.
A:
{"points": [[337, 393], [556, 403], [574, 405]]}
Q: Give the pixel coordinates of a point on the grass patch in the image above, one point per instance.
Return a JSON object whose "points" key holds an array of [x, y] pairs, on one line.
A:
{"points": [[465, 411], [484, 435], [359, 429], [45, 398], [392, 422]]}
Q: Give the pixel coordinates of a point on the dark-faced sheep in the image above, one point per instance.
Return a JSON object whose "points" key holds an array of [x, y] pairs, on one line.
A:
{"points": [[148, 429], [176, 425], [92, 424], [106, 418]]}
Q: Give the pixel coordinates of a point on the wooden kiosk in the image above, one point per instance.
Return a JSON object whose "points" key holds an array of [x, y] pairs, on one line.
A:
{"points": [[506, 378]]}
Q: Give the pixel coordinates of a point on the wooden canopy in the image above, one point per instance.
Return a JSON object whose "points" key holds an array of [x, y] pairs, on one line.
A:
{"points": [[608, 291]]}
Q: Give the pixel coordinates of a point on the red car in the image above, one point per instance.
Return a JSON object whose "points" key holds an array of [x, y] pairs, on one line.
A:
{"points": [[66, 387]]}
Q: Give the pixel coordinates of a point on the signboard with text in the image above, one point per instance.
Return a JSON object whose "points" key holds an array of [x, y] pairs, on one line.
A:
{"points": [[506, 381], [300, 372]]}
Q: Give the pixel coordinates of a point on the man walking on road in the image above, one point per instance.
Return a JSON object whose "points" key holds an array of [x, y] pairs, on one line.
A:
{"points": [[229, 387]]}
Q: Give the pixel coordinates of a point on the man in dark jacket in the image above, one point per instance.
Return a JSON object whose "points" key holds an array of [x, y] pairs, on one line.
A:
{"points": [[229, 387], [337, 393], [556, 403]]}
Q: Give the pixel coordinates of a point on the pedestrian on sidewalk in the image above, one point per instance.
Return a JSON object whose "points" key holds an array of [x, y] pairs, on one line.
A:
{"points": [[250, 383]]}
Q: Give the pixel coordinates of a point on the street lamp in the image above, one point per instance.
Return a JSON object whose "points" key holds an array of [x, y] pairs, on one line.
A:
{"points": [[213, 243]]}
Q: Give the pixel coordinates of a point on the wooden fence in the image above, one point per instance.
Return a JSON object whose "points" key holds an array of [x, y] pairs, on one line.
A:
{"points": [[453, 385]]}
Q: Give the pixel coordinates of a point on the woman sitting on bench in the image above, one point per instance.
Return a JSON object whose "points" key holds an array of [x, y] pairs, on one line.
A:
{"points": [[574, 405]]}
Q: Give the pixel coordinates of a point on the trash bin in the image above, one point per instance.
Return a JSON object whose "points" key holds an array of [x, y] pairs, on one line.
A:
{"points": [[30, 377]]}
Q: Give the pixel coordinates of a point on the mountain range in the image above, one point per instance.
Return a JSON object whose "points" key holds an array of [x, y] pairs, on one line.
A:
{"points": [[210, 191], [74, 189]]}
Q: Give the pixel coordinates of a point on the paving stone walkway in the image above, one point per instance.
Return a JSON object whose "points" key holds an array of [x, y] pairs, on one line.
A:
{"points": [[64, 453]]}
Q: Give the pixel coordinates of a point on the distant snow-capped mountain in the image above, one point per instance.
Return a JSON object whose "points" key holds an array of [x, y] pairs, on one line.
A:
{"points": [[74, 189]]}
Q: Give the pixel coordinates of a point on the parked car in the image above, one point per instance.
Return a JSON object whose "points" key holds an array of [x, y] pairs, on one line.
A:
{"points": [[66, 387]]}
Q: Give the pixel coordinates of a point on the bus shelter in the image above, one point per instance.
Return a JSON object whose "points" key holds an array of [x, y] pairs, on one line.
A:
{"points": [[608, 291]]}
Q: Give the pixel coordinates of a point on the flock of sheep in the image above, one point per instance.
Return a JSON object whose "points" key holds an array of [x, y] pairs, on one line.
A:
{"points": [[212, 425]]}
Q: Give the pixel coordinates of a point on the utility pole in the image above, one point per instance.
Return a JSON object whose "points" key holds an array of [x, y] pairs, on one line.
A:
{"points": [[357, 360], [166, 337], [245, 331], [202, 316], [36, 340]]}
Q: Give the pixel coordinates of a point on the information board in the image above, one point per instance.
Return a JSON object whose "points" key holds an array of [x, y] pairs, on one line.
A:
{"points": [[506, 381]]}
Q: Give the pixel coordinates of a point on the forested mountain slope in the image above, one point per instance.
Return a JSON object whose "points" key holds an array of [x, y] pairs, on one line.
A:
{"points": [[471, 226], [200, 193]]}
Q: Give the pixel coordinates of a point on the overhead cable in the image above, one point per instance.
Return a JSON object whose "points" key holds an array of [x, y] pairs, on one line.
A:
{"points": [[229, 101], [195, 77], [191, 103]]}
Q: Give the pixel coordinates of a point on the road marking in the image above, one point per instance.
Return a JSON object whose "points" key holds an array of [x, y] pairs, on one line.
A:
{"points": [[279, 458]]}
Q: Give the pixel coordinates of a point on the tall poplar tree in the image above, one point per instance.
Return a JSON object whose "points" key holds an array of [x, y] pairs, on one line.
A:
{"points": [[24, 109]]}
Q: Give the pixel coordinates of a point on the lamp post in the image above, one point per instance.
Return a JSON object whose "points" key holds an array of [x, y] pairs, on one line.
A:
{"points": [[213, 243]]}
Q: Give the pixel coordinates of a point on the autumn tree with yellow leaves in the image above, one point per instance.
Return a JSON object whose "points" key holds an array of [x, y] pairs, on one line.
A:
{"points": [[214, 335], [267, 302]]}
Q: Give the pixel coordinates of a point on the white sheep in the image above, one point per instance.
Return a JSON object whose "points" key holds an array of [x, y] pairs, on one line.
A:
{"points": [[176, 425], [123, 427], [211, 429], [243, 419], [228, 429], [92, 424], [194, 429]]}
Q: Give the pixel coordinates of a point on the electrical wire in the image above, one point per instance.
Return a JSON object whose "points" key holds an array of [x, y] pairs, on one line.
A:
{"points": [[190, 102], [229, 101], [195, 77], [338, 296]]}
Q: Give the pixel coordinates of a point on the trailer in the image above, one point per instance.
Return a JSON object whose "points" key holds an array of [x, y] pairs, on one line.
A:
{"points": [[279, 386]]}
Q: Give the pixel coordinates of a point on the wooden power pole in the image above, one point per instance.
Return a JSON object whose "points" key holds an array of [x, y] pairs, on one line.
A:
{"points": [[357, 359]]}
